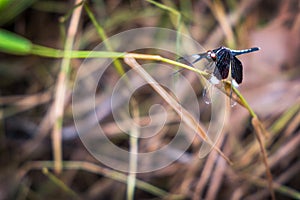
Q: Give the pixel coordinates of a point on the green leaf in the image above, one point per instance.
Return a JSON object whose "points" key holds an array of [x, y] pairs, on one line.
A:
{"points": [[13, 43]]}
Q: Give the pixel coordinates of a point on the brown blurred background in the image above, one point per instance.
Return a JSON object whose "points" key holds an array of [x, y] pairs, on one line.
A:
{"points": [[271, 86]]}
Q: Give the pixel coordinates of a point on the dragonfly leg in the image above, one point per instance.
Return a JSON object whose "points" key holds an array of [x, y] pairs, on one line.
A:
{"points": [[206, 94], [233, 84]]}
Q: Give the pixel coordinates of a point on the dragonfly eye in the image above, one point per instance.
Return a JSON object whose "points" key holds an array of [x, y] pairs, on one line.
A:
{"points": [[213, 56]]}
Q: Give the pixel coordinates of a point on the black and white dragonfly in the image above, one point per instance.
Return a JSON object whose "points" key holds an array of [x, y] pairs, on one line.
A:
{"points": [[222, 62]]}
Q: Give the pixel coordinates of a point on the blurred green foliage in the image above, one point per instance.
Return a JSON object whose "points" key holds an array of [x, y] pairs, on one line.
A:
{"points": [[10, 9]]}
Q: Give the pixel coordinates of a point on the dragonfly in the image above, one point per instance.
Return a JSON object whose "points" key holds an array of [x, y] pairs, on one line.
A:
{"points": [[223, 63]]}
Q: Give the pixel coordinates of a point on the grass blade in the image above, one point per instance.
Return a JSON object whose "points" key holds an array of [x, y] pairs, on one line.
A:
{"points": [[13, 43]]}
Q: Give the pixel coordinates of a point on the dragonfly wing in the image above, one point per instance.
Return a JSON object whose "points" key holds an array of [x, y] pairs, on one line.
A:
{"points": [[192, 59], [222, 64], [237, 70], [199, 57]]}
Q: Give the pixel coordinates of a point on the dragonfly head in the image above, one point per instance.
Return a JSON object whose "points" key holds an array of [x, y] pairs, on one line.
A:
{"points": [[212, 55]]}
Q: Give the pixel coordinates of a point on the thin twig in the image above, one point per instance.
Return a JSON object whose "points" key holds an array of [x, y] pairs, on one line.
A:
{"points": [[133, 156], [93, 168], [61, 89], [259, 134]]}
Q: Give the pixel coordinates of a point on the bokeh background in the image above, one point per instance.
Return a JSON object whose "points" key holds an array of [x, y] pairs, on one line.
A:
{"points": [[32, 107]]}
